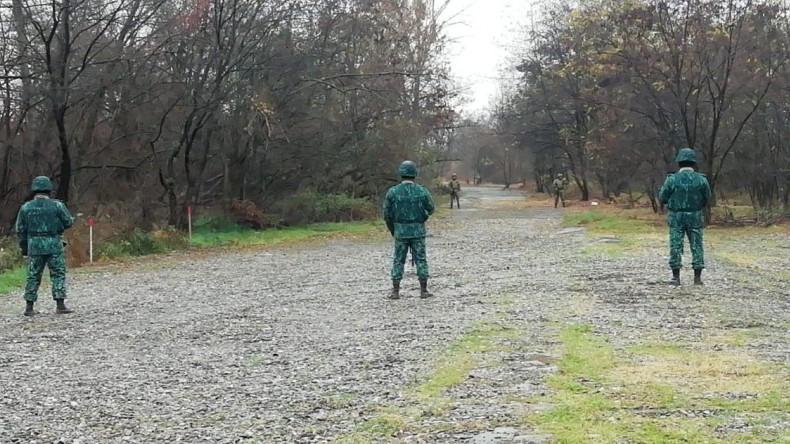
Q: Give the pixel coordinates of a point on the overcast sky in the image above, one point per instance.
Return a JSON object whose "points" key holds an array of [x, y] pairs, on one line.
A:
{"points": [[482, 31]]}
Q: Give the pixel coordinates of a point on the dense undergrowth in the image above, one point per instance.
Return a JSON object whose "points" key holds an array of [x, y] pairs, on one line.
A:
{"points": [[300, 217]]}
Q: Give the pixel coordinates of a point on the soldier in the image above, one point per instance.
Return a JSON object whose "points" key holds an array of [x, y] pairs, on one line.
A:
{"points": [[455, 190], [685, 193], [559, 189], [39, 227], [407, 207]]}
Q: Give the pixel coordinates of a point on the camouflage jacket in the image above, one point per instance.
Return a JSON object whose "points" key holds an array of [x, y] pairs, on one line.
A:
{"points": [[685, 191], [455, 186], [40, 224], [559, 184], [407, 207]]}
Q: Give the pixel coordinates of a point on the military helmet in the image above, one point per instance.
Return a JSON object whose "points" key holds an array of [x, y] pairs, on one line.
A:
{"points": [[41, 183], [686, 155], [454, 175], [408, 169], [559, 175]]}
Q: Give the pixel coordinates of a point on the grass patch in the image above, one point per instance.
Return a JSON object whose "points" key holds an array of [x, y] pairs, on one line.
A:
{"points": [[459, 358], [12, 280], [620, 222], [381, 428], [208, 236], [428, 395], [644, 393]]}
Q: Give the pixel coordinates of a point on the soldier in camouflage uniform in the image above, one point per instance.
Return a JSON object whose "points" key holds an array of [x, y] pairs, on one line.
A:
{"points": [[559, 189], [407, 207], [39, 227], [686, 194], [455, 191]]}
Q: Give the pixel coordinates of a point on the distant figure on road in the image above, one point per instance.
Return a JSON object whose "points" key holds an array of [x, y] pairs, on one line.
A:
{"points": [[455, 191], [559, 189], [686, 194], [407, 207], [39, 227]]}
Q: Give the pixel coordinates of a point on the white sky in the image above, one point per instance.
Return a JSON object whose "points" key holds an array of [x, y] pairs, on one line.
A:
{"points": [[482, 31]]}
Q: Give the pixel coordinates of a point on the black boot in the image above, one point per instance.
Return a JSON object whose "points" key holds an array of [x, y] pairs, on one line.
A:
{"points": [[697, 277], [675, 277], [395, 294], [424, 293], [61, 307], [29, 311]]}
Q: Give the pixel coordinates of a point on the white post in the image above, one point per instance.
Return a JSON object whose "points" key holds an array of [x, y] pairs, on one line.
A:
{"points": [[189, 222], [90, 240]]}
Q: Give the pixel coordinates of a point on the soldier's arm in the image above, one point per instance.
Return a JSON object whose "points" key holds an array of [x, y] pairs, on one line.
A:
{"points": [[666, 191], [65, 216], [387, 210], [21, 231]]}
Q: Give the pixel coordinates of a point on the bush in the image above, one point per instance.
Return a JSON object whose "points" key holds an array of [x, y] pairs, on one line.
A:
{"points": [[139, 243], [247, 214], [310, 207], [10, 256]]}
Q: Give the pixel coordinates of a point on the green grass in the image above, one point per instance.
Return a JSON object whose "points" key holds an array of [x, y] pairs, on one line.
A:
{"points": [[604, 395], [428, 395], [630, 227], [623, 222], [459, 358], [12, 280], [245, 237]]}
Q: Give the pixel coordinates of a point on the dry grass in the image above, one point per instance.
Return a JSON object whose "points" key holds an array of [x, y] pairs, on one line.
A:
{"points": [[645, 393]]}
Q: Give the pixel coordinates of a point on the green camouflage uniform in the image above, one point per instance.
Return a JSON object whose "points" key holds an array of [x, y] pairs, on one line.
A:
{"points": [[559, 190], [686, 194], [39, 227], [455, 190], [407, 207]]}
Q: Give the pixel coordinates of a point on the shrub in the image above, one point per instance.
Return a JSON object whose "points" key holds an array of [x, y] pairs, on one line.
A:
{"points": [[310, 207], [247, 214], [139, 243], [10, 256]]}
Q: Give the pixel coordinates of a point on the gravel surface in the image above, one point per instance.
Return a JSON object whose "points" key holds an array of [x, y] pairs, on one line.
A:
{"points": [[301, 345]]}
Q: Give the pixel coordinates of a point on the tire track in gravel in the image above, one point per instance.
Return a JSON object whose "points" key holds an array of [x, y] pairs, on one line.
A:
{"points": [[286, 345]]}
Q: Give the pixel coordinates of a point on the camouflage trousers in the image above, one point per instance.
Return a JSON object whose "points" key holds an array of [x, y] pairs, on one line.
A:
{"points": [[559, 195], [417, 247], [454, 198], [57, 273], [676, 235]]}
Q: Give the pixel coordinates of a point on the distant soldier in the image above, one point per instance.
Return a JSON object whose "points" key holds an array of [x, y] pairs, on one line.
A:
{"points": [[39, 227], [407, 207], [686, 194], [455, 191], [559, 185]]}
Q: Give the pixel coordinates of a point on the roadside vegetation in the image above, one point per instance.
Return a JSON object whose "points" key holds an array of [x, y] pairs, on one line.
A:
{"points": [[305, 216]]}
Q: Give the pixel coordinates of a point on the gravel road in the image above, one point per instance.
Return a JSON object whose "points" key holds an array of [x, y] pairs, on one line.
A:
{"points": [[301, 345]]}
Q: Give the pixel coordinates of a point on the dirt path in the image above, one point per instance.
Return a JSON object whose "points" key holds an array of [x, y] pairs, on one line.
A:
{"points": [[300, 344]]}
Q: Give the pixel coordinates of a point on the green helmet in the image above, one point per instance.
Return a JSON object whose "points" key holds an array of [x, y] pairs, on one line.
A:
{"points": [[686, 155], [41, 183], [559, 175], [408, 169]]}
